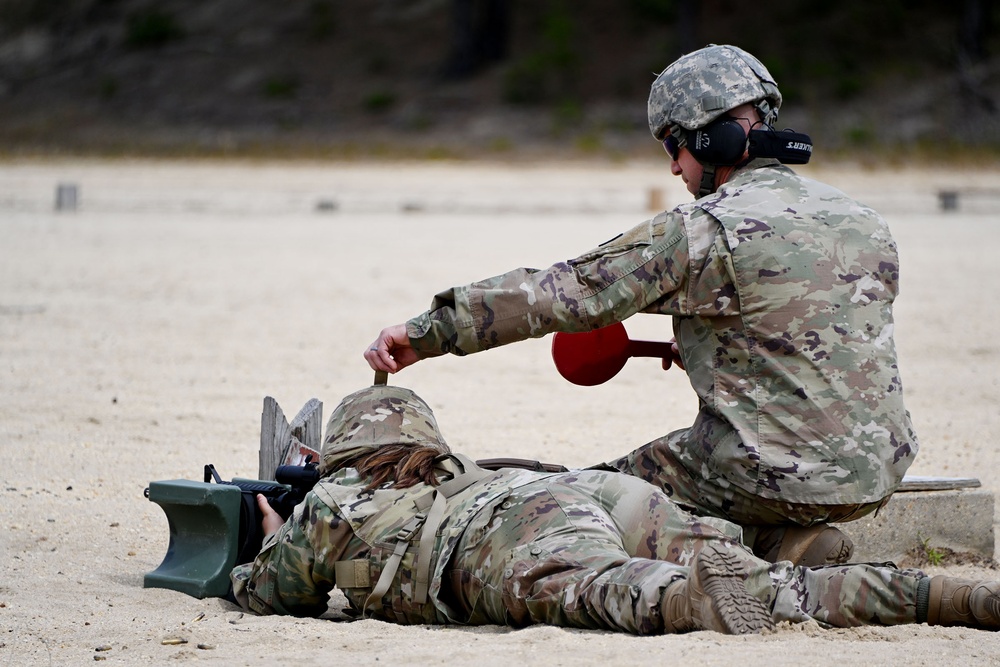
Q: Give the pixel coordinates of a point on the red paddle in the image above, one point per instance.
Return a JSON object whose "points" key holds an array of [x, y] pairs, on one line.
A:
{"points": [[594, 357]]}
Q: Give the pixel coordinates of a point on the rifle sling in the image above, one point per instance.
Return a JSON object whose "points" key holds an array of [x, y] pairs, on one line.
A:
{"points": [[466, 473]]}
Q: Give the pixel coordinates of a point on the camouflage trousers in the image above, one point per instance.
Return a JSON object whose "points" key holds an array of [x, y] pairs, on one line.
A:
{"points": [[595, 549], [704, 494]]}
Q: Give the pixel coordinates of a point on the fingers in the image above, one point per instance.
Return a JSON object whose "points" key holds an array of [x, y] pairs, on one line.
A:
{"points": [[391, 351], [265, 507], [378, 357]]}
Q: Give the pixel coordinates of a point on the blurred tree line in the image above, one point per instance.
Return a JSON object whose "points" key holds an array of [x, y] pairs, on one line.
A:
{"points": [[836, 48], [415, 65]]}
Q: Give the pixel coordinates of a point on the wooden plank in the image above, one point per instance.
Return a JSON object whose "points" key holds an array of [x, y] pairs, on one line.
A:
{"points": [[282, 443], [308, 424], [932, 483], [275, 436]]}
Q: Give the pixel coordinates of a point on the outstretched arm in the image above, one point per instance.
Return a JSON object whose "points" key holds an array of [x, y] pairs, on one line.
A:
{"points": [[647, 264]]}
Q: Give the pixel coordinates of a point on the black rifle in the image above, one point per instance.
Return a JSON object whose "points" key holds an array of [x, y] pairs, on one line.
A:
{"points": [[289, 488]]}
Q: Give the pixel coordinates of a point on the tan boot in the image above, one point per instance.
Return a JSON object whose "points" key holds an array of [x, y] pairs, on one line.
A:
{"points": [[714, 597], [821, 544], [954, 601]]}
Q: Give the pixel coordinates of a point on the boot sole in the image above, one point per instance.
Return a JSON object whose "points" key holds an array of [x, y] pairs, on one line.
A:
{"points": [[736, 611], [992, 606]]}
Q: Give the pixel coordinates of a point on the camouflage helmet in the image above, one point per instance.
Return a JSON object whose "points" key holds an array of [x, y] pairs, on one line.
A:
{"points": [[377, 416], [702, 85]]}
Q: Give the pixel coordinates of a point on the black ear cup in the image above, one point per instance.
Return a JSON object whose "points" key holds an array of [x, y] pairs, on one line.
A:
{"points": [[721, 142]]}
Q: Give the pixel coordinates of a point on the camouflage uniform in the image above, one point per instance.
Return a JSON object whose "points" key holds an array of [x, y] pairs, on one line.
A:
{"points": [[781, 292], [587, 549]]}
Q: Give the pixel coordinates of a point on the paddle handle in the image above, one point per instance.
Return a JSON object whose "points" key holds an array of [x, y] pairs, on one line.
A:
{"points": [[648, 348]]}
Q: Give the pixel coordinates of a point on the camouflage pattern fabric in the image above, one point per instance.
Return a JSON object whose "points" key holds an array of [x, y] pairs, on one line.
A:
{"points": [[781, 289], [343, 522], [597, 550], [584, 549], [701, 86], [708, 494], [840, 596], [376, 416]]}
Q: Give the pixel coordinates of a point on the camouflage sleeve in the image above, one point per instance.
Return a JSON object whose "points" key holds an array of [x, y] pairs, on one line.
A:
{"points": [[294, 572], [607, 285]]}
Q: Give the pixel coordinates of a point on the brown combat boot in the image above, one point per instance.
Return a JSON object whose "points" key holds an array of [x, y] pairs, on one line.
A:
{"points": [[821, 544], [954, 601], [714, 597]]}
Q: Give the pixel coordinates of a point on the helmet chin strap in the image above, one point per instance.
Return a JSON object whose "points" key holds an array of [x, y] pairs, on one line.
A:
{"points": [[707, 185]]}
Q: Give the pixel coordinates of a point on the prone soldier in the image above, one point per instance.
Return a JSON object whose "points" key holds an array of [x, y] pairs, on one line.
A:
{"points": [[412, 532]]}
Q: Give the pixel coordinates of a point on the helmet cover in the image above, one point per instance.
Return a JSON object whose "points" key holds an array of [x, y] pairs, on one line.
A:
{"points": [[374, 417], [702, 85]]}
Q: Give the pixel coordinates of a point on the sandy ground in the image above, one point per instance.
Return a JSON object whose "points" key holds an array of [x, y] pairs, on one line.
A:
{"points": [[140, 334]]}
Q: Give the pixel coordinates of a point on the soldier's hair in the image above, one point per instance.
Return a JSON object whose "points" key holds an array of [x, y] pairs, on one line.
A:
{"points": [[403, 465]]}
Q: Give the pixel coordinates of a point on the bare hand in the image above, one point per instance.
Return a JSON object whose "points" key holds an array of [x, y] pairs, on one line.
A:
{"points": [[271, 521], [391, 351]]}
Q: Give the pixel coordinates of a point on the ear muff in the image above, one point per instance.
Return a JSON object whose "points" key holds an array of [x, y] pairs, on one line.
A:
{"points": [[721, 142]]}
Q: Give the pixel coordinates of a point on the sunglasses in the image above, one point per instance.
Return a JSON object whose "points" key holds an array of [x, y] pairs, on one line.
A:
{"points": [[673, 146]]}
